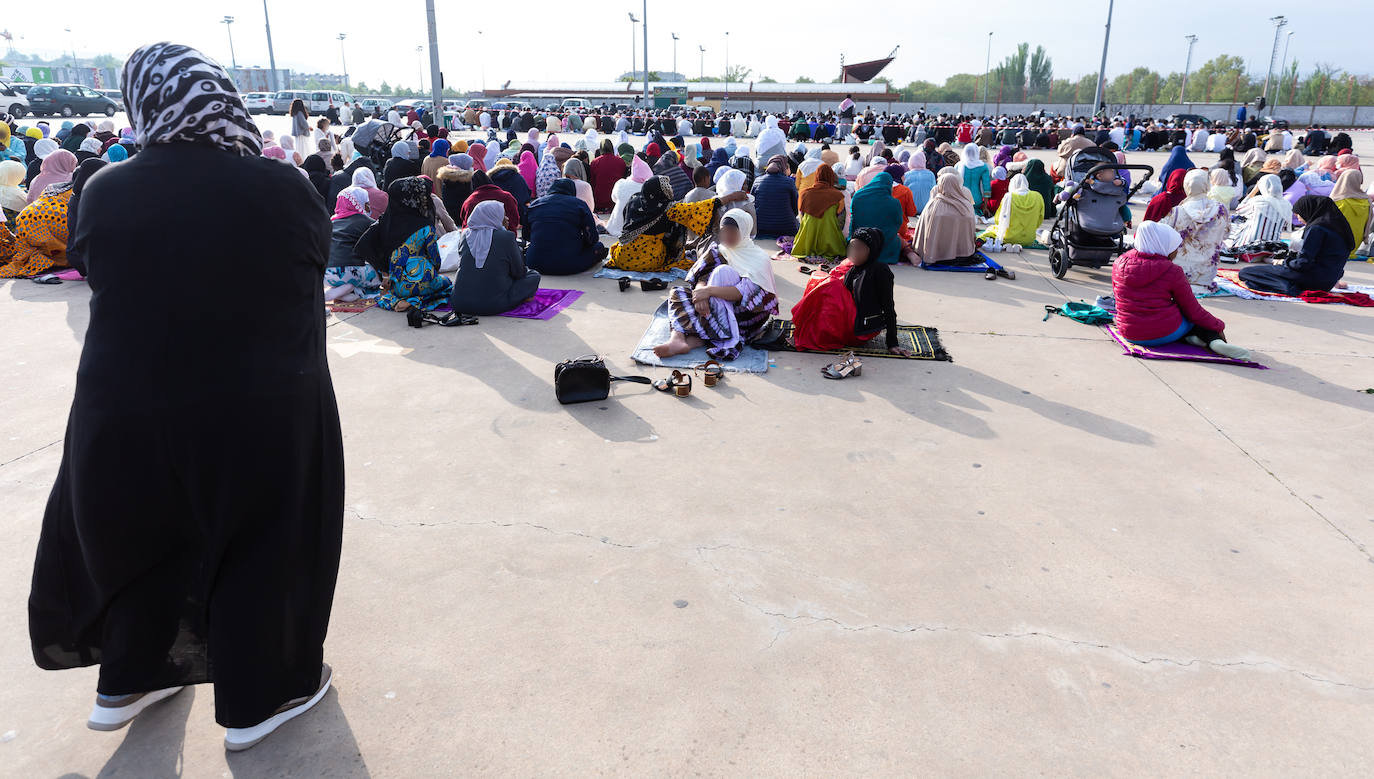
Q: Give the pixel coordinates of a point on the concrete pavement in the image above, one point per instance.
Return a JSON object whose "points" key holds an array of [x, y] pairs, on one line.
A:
{"points": [[1045, 557]]}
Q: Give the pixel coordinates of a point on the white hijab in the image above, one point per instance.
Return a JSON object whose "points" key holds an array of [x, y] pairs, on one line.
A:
{"points": [[748, 259], [1197, 205], [1156, 238], [621, 193], [1019, 185], [972, 156], [1268, 199]]}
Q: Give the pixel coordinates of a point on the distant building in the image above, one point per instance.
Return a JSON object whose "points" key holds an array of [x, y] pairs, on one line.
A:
{"points": [[259, 79]]}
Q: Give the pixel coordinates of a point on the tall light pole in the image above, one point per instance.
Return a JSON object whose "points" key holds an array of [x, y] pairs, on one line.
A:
{"points": [[1283, 65], [419, 50], [987, 71], [1187, 66], [1102, 69], [727, 61], [481, 57], [72, 40], [1279, 23], [436, 77], [701, 74], [271, 57], [227, 22], [675, 52], [343, 57], [645, 13], [633, 61]]}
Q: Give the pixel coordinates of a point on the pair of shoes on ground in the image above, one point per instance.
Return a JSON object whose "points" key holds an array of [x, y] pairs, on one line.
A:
{"points": [[1220, 347], [113, 712]]}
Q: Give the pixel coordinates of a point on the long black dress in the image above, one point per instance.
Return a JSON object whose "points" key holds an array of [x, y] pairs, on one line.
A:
{"points": [[193, 532]]}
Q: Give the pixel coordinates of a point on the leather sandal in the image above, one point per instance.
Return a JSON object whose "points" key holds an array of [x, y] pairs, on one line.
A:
{"points": [[711, 371], [848, 366], [653, 285], [679, 384], [624, 283]]}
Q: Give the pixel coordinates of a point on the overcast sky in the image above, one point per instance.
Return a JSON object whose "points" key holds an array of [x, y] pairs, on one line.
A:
{"points": [[542, 40]]}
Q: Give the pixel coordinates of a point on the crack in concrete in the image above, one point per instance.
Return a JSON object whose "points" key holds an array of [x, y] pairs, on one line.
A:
{"points": [[810, 619], [605, 540], [1043, 635], [31, 453]]}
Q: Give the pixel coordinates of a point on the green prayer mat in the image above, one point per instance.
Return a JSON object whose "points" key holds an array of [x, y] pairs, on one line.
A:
{"points": [[924, 343]]}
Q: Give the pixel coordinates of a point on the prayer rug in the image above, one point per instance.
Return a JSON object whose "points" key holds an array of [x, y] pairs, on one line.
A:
{"points": [[924, 343], [545, 304], [983, 267], [673, 274], [1229, 279], [1177, 350], [750, 360], [351, 307]]}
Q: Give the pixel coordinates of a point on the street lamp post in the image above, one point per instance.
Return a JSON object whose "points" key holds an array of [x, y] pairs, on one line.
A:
{"points": [[1279, 23], [419, 50], [987, 70], [227, 22], [436, 77], [727, 62], [674, 52], [1283, 65], [1187, 66], [633, 22], [1102, 69], [271, 57], [701, 73], [343, 56], [72, 40], [645, 13]]}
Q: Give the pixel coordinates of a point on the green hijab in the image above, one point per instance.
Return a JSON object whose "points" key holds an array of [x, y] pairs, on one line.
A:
{"points": [[1040, 182], [626, 152]]}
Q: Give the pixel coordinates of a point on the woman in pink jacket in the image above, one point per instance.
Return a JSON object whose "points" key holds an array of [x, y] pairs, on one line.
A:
{"points": [[1154, 302]]}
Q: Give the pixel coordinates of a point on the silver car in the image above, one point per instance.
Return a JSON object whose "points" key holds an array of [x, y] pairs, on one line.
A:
{"points": [[281, 102]]}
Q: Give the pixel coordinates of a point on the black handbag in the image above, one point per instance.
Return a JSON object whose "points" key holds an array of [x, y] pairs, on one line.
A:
{"points": [[586, 379]]}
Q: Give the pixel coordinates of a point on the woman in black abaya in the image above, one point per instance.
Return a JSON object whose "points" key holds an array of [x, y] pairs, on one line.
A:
{"points": [[192, 534]]}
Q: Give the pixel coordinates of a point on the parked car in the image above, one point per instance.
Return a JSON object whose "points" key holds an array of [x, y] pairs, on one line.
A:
{"points": [[1274, 123], [1197, 120], [69, 100], [576, 103], [404, 106], [321, 101], [258, 102], [115, 95], [14, 100], [281, 102], [370, 103]]}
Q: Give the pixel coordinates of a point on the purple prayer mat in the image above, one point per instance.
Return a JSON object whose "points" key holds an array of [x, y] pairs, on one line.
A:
{"points": [[1177, 350], [545, 304]]}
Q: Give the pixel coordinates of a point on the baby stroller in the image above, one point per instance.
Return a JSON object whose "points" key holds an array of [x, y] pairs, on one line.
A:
{"points": [[374, 137], [1089, 230]]}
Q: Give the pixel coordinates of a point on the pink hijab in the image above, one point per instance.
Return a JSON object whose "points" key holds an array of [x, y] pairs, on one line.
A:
{"points": [[640, 171], [56, 169], [1347, 162], [528, 167], [478, 153], [866, 175]]}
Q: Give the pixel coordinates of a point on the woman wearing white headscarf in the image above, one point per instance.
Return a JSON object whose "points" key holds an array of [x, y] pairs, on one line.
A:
{"points": [[1203, 223], [728, 297], [772, 141], [755, 127], [621, 193], [492, 277], [1019, 215], [732, 180], [1268, 215], [974, 175], [738, 126]]}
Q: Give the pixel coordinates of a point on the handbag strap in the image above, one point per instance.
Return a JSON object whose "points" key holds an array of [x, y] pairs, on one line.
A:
{"points": [[635, 379]]}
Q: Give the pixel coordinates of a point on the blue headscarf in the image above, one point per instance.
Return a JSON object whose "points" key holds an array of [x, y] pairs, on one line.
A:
{"points": [[1178, 160], [440, 148]]}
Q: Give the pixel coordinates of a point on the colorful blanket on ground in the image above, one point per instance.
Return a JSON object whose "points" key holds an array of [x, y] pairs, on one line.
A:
{"points": [[1175, 351], [673, 274], [750, 360], [924, 343], [1229, 280]]}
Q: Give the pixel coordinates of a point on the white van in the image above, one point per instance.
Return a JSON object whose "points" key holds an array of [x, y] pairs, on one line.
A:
{"points": [[576, 104], [321, 101]]}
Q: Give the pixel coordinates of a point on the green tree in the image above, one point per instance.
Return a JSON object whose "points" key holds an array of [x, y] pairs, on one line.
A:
{"points": [[385, 88], [361, 88], [767, 80], [738, 73], [1039, 74], [1009, 78], [1221, 80], [805, 80]]}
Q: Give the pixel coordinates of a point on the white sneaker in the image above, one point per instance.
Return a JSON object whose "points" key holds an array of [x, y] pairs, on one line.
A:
{"points": [[239, 739], [113, 712], [1229, 350], [1014, 248]]}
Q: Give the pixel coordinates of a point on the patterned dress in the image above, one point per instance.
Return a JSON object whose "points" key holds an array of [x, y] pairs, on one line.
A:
{"points": [[649, 253], [1203, 225], [415, 275], [728, 326], [40, 242]]}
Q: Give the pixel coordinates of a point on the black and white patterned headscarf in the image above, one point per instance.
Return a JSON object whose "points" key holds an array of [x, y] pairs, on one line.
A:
{"points": [[176, 94]]}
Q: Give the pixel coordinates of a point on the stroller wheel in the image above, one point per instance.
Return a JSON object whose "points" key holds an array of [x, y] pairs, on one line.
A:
{"points": [[1059, 261]]}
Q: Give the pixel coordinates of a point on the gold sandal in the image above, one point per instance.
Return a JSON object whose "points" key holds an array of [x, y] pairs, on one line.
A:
{"points": [[712, 372], [679, 384]]}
